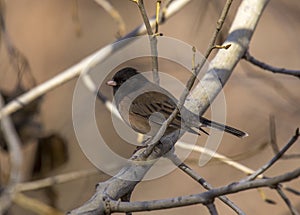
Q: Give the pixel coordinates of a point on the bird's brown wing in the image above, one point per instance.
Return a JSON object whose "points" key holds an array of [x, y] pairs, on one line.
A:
{"points": [[152, 109]]}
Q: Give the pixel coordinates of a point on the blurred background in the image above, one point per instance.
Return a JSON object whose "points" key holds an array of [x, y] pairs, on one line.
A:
{"points": [[54, 35]]}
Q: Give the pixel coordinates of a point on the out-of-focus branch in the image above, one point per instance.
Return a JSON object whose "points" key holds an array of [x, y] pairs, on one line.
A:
{"points": [[218, 156], [89, 61], [125, 180], [35, 205], [18, 61], [103, 201], [273, 140], [75, 17], [16, 158], [248, 57], [113, 12], [58, 179]]}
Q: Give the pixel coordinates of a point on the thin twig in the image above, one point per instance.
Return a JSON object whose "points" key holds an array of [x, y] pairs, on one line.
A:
{"points": [[292, 190], [201, 198], [113, 12], [152, 38], [158, 4], [273, 140], [246, 170], [154, 140], [270, 68], [275, 158], [218, 156], [75, 70], [287, 201], [35, 205], [75, 17], [221, 68], [190, 172], [215, 155], [50, 181]]}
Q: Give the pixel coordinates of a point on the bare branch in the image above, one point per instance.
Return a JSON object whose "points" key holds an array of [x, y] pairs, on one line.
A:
{"points": [[276, 157], [58, 179], [152, 38], [202, 181], [220, 70], [218, 156], [203, 198], [113, 12], [224, 62], [154, 140], [35, 205], [270, 68], [75, 17], [16, 159], [287, 201], [273, 140], [212, 208], [75, 70], [125, 181]]}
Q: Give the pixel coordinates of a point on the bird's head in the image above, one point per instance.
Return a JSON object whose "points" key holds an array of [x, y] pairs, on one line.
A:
{"points": [[122, 76]]}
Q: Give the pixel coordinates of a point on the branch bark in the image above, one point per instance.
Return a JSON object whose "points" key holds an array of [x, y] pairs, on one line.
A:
{"points": [[224, 62], [202, 198], [221, 68]]}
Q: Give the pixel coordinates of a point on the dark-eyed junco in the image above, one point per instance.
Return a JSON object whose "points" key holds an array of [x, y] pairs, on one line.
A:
{"points": [[145, 106]]}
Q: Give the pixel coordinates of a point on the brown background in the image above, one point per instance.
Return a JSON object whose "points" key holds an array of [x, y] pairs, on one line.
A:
{"points": [[45, 33]]}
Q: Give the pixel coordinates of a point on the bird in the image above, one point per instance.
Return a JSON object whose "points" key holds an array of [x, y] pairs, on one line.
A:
{"points": [[144, 106]]}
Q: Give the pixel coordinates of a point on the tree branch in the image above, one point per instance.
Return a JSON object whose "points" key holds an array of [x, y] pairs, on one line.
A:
{"points": [[186, 169], [50, 181], [202, 198], [113, 12], [75, 70], [16, 158], [152, 38], [224, 62], [276, 157], [221, 68], [154, 140], [248, 57]]}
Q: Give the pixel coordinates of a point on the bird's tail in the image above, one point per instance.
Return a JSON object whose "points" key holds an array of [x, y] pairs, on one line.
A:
{"points": [[222, 127]]}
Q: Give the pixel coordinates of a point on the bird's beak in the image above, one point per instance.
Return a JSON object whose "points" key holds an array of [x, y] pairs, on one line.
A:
{"points": [[111, 83]]}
